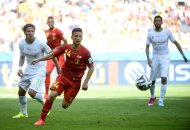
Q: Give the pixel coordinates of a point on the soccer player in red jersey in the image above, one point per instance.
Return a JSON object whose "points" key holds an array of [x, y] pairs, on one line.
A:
{"points": [[78, 58], [54, 38]]}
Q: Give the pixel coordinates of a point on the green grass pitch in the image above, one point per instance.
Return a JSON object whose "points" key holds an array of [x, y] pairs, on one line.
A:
{"points": [[103, 108]]}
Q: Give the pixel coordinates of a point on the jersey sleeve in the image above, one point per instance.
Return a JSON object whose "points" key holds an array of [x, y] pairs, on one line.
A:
{"points": [[171, 37], [89, 60], [21, 48], [46, 48], [148, 40], [59, 50]]}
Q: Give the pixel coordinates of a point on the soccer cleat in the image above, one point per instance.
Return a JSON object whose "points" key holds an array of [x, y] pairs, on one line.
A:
{"points": [[161, 103], [151, 101], [39, 122], [20, 115]]}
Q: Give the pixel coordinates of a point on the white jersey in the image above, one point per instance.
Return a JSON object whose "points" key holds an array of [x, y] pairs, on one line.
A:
{"points": [[33, 51], [159, 40]]}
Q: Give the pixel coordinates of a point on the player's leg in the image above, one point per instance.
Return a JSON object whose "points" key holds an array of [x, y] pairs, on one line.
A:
{"points": [[69, 95], [37, 87], [162, 91], [49, 68], [36, 95], [22, 104], [165, 63], [153, 76], [56, 89]]}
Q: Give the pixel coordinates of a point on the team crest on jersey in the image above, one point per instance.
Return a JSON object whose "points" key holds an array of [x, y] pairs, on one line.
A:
{"points": [[90, 60]]}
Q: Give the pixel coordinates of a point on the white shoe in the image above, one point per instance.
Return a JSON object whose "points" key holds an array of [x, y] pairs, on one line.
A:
{"points": [[161, 103]]}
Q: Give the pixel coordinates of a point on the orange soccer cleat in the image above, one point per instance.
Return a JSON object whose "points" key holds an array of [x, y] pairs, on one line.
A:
{"points": [[39, 122]]}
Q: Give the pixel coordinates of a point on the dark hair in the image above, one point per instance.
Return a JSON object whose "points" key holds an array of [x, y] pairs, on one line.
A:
{"points": [[157, 16], [50, 17], [28, 25], [76, 30]]}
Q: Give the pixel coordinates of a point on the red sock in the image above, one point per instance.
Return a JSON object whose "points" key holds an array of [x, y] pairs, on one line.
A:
{"points": [[47, 83], [46, 108]]}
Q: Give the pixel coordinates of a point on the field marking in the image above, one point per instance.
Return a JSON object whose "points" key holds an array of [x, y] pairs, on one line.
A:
{"points": [[15, 96]]}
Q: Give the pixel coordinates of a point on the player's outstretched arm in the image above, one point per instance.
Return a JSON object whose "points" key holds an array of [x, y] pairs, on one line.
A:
{"points": [[43, 58], [88, 76], [180, 50], [57, 65]]}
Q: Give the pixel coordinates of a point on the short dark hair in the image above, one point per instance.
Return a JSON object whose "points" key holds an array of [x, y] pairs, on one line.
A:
{"points": [[50, 17], [76, 30], [158, 16], [28, 25]]}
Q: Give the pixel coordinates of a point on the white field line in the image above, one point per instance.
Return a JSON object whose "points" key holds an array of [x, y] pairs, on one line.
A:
{"points": [[14, 96]]}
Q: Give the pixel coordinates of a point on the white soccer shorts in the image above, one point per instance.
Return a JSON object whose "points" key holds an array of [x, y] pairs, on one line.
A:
{"points": [[160, 66], [35, 82]]}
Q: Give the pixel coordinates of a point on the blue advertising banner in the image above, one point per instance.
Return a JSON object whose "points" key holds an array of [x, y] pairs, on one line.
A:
{"points": [[116, 72]]}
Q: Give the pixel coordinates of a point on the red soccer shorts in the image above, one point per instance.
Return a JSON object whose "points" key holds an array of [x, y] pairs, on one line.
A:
{"points": [[70, 88]]}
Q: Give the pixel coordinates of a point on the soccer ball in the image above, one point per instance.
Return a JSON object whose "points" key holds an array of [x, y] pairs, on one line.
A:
{"points": [[142, 83]]}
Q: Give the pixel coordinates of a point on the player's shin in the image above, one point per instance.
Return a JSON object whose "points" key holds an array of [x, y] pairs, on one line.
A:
{"points": [[39, 97], [46, 108], [152, 90], [163, 91], [23, 104]]}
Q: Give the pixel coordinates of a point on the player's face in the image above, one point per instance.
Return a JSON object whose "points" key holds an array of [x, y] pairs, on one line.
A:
{"points": [[77, 38], [157, 23], [50, 23], [29, 33]]}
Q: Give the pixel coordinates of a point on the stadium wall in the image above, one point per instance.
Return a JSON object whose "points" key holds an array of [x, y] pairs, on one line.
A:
{"points": [[118, 72]]}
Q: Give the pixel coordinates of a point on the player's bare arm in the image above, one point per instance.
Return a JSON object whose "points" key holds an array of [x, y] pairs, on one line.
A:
{"points": [[43, 58], [147, 55], [88, 76], [57, 65], [180, 50], [21, 63]]}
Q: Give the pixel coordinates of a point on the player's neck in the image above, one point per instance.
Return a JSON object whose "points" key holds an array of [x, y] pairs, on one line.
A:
{"points": [[51, 28], [30, 41], [158, 29], [76, 46]]}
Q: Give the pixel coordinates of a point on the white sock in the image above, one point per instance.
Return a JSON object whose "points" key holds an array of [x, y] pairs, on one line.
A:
{"points": [[163, 91], [152, 89], [39, 97], [23, 104]]}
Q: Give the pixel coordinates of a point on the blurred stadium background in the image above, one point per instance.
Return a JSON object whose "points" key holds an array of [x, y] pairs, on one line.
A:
{"points": [[114, 30]]}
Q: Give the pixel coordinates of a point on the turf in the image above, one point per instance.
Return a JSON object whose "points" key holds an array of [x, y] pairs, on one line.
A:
{"points": [[103, 108]]}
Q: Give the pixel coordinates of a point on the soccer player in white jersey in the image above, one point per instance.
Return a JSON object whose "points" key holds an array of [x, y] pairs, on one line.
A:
{"points": [[33, 78], [160, 62]]}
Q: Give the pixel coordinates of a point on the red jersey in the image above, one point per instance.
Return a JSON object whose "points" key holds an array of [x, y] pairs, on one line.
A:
{"points": [[54, 37], [76, 60]]}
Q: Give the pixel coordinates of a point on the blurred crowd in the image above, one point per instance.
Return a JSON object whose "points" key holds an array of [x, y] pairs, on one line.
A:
{"points": [[111, 24]]}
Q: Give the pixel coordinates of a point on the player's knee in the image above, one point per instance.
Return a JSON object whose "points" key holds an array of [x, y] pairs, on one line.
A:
{"points": [[64, 106], [164, 80], [21, 92], [52, 97], [48, 73], [31, 94]]}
